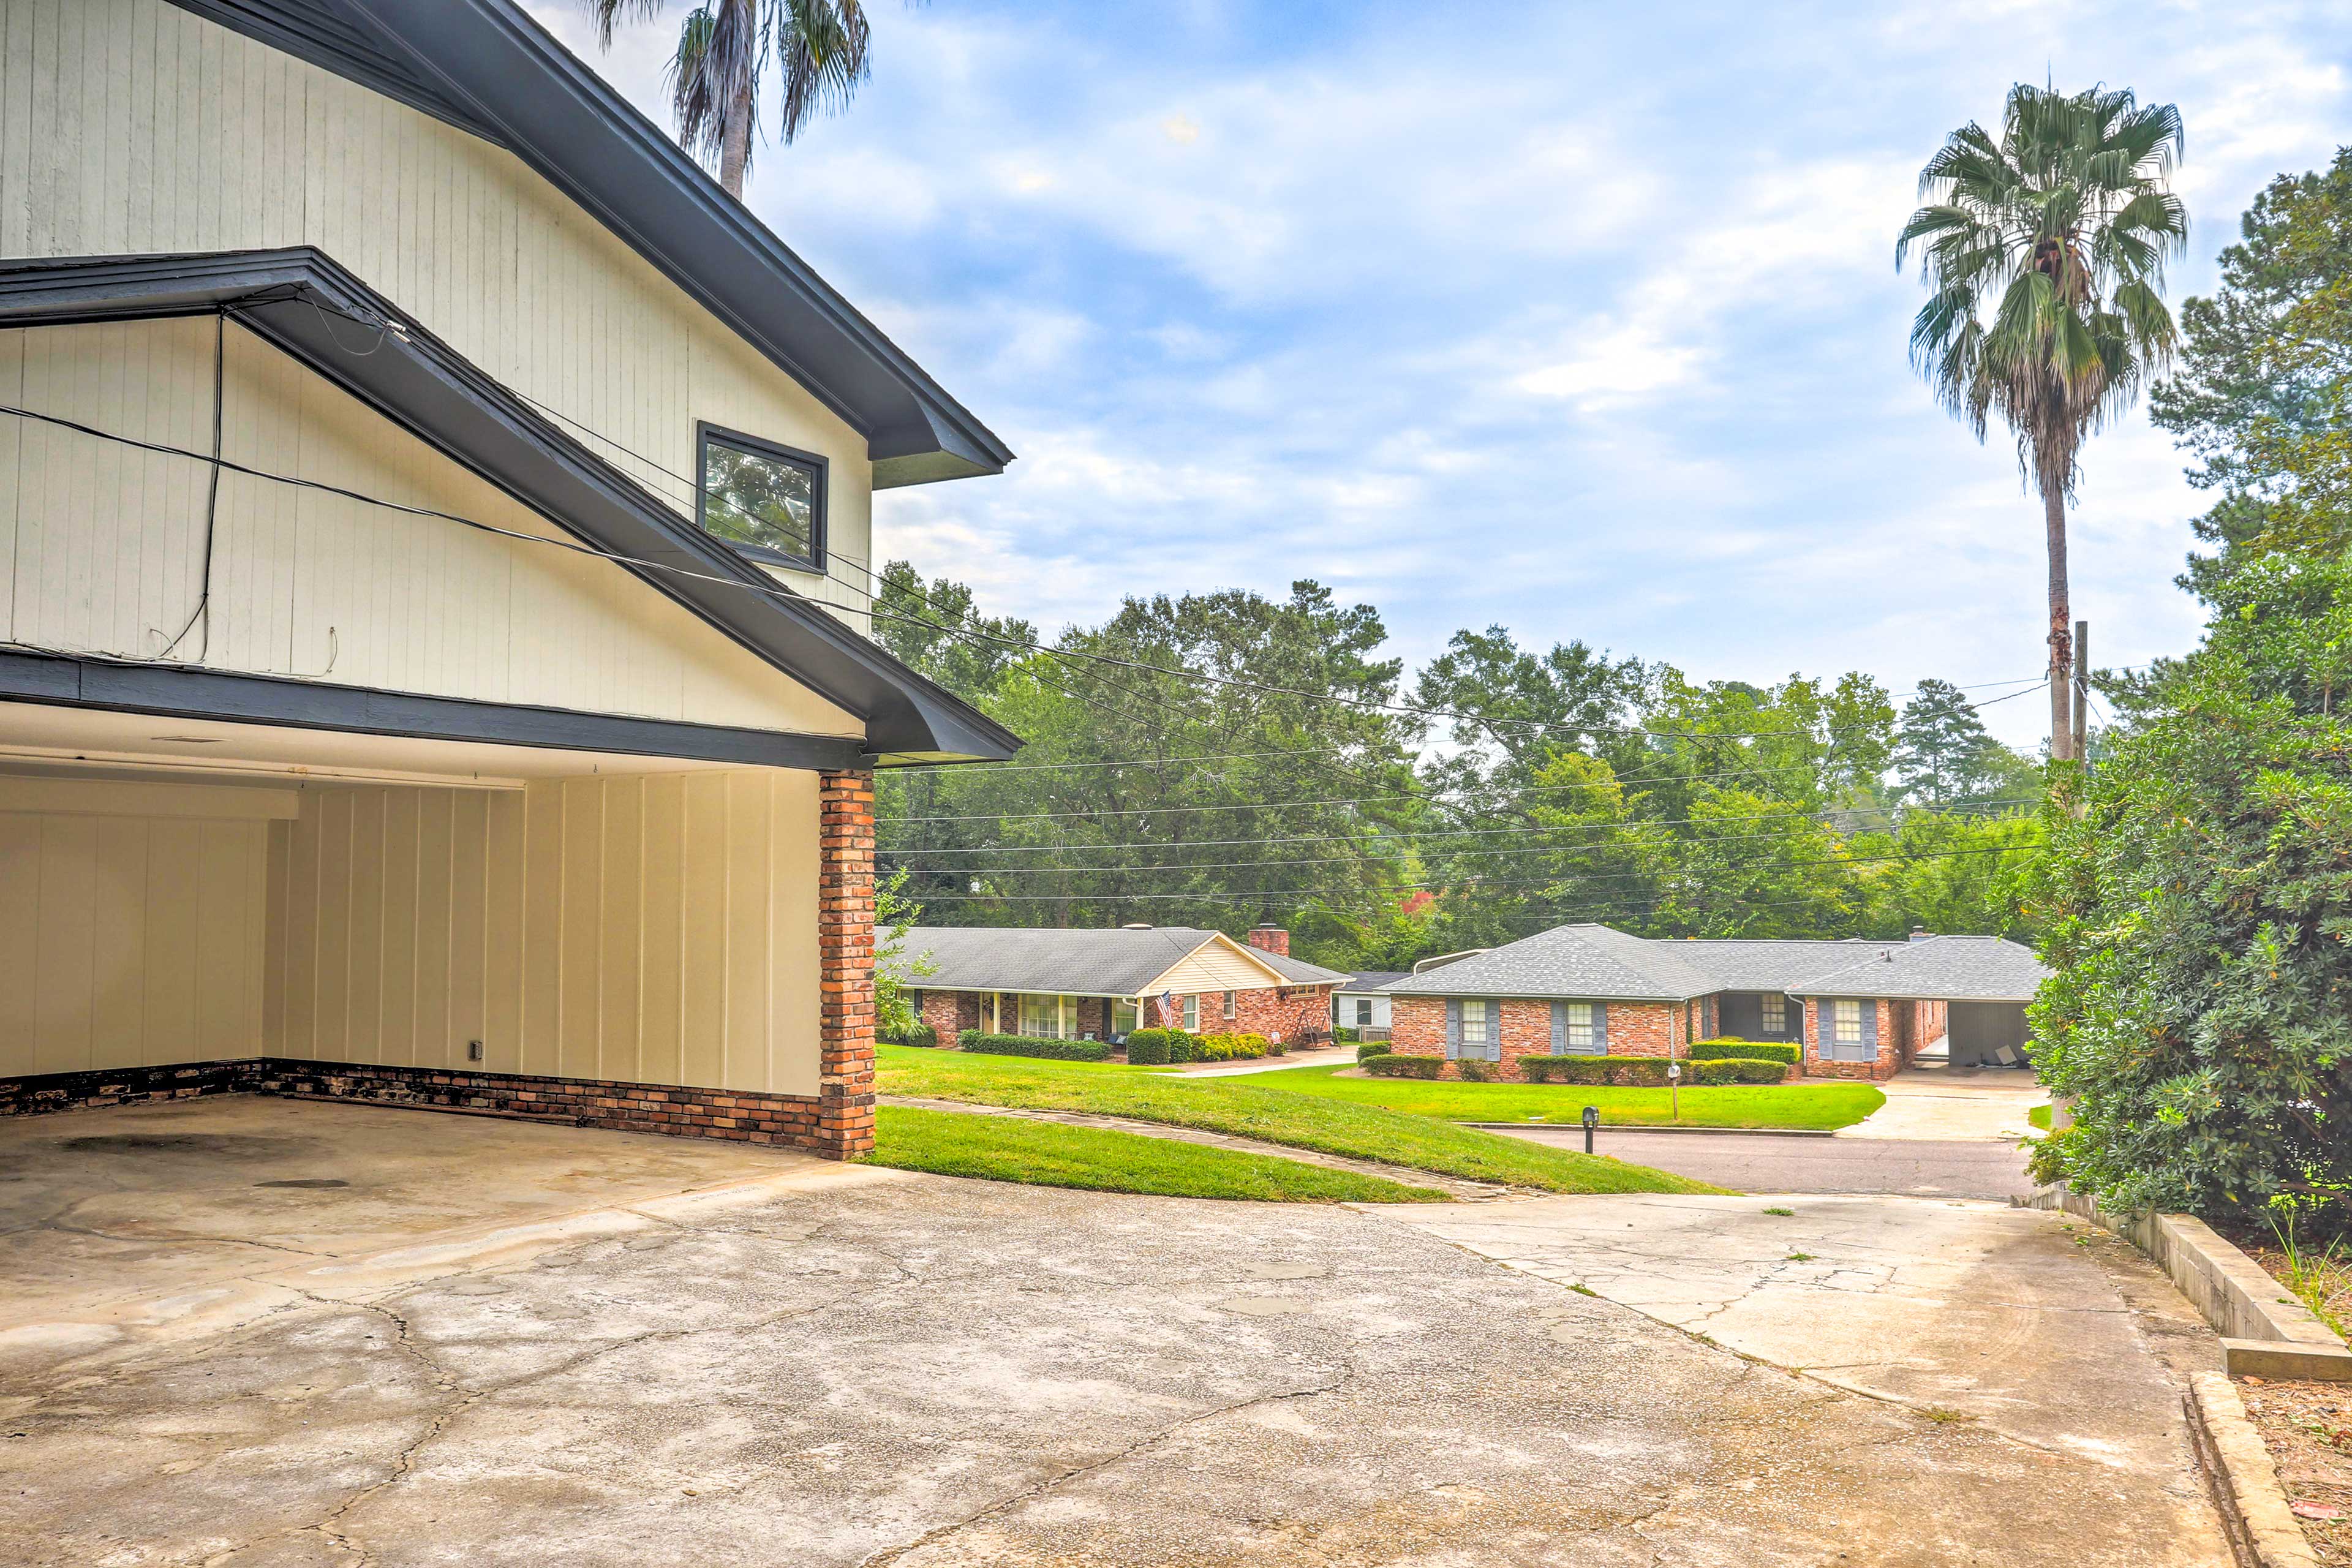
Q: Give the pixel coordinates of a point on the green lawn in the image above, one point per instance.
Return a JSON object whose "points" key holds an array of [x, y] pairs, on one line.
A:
{"points": [[1044, 1153], [1241, 1107], [2038, 1117], [1821, 1105]]}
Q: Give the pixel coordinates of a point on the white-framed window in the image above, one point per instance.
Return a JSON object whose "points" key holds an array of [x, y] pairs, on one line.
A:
{"points": [[1476, 1019], [1845, 1023], [1363, 1011], [1049, 1017], [1232, 1003], [1191, 1014], [1122, 1018], [1776, 1013], [1580, 1027]]}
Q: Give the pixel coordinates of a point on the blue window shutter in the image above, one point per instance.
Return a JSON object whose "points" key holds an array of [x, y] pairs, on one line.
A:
{"points": [[1601, 1029], [1453, 1028], [1870, 1030], [1560, 1028]]}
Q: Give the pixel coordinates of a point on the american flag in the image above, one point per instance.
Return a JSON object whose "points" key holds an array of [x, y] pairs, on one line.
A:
{"points": [[1167, 1000]]}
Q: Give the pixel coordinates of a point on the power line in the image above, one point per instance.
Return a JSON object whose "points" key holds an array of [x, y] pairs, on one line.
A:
{"points": [[1395, 887]]}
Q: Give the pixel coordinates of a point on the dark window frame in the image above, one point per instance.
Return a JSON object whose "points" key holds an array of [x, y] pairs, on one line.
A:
{"points": [[821, 469]]}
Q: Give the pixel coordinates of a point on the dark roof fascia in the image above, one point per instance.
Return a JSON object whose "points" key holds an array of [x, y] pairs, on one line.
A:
{"points": [[487, 69], [184, 691], [420, 382]]}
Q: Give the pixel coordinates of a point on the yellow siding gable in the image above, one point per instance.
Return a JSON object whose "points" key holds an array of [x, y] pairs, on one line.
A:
{"points": [[132, 126], [102, 547], [1221, 963]]}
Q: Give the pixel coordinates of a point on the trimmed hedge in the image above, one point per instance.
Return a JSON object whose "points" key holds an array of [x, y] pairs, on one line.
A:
{"points": [[1343, 1034], [1230, 1048], [1181, 1046], [1146, 1047], [1647, 1072], [913, 1035], [1371, 1049], [1753, 1051], [1389, 1065], [1025, 1046]]}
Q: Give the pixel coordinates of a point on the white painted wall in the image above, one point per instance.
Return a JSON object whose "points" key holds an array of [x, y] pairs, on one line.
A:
{"points": [[656, 928], [102, 546], [131, 920], [130, 126]]}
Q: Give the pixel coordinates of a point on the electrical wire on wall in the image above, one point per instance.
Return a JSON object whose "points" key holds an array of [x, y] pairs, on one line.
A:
{"points": [[204, 610]]}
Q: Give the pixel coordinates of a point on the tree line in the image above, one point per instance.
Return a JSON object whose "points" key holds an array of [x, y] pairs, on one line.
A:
{"points": [[1219, 759]]}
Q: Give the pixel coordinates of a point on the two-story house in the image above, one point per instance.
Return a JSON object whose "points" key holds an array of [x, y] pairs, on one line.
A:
{"points": [[433, 524]]}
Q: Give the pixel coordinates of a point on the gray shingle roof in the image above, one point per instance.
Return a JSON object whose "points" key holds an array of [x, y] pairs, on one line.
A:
{"points": [[1939, 969], [1373, 979], [1595, 961], [1117, 962]]}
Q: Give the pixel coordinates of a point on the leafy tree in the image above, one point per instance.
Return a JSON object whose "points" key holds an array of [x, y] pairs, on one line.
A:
{"points": [[2199, 1015], [2044, 254], [723, 50]]}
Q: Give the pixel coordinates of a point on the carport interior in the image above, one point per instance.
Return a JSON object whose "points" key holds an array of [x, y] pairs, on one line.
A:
{"points": [[192, 906]]}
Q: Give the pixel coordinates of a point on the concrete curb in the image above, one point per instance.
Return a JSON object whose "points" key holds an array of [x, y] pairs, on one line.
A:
{"points": [[2265, 1333], [1609, 1127], [2261, 1527]]}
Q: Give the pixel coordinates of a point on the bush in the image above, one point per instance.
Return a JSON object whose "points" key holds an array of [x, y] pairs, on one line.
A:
{"points": [[1371, 1049], [1181, 1046], [1623, 1071], [1753, 1051], [1387, 1065], [1025, 1046], [1734, 1069], [1344, 1035], [1146, 1047], [913, 1035], [1227, 1048], [1477, 1070], [1272, 1047]]}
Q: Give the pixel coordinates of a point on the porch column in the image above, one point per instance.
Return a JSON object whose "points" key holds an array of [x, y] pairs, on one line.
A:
{"points": [[846, 964]]}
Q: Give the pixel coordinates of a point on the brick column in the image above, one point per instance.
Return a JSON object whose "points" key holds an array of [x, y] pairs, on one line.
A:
{"points": [[844, 936]]}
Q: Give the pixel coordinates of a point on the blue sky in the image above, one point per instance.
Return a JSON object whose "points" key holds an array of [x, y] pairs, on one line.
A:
{"points": [[1582, 319]]}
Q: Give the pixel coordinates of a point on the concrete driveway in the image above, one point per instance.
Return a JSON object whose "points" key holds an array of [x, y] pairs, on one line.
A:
{"points": [[1780, 1163], [814, 1365]]}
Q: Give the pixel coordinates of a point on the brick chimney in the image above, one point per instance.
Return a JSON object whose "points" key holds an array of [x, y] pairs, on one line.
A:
{"points": [[1268, 937]]}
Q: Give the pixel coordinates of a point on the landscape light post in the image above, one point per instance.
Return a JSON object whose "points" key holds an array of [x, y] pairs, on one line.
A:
{"points": [[1592, 1120]]}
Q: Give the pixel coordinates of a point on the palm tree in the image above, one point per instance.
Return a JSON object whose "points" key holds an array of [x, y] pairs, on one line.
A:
{"points": [[726, 45], [2043, 256]]}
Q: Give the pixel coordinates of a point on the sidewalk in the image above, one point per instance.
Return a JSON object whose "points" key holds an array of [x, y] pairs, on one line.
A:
{"points": [[1328, 1057], [1947, 1104]]}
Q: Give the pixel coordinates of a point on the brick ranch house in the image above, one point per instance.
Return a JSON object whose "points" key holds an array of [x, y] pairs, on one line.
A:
{"points": [[1862, 1009], [1100, 984]]}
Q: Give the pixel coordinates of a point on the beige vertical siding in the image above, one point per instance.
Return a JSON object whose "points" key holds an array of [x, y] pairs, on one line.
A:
{"points": [[131, 925], [657, 930], [130, 126], [105, 546], [1215, 966]]}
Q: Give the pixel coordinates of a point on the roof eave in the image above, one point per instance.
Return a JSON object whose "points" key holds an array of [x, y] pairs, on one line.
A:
{"points": [[487, 69], [413, 378]]}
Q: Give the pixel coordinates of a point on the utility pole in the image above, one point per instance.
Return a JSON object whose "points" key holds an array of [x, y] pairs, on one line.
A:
{"points": [[2082, 693]]}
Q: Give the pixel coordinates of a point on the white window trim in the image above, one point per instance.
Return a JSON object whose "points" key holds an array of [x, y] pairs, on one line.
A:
{"points": [[1475, 1021], [1579, 1030], [1192, 1025], [1845, 1021]]}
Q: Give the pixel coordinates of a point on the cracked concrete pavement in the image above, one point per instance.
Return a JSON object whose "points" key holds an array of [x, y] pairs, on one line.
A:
{"points": [[821, 1365]]}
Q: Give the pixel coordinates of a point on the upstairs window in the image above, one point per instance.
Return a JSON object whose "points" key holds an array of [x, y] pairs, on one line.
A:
{"points": [[766, 500]]}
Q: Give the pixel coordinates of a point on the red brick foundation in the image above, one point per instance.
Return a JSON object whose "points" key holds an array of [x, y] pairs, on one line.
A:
{"points": [[794, 1120], [844, 936]]}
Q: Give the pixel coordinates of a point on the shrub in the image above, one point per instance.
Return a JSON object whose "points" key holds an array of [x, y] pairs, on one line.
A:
{"points": [[1272, 1047], [912, 1035], [1477, 1070], [1024, 1045], [1734, 1069], [1623, 1071], [1181, 1046], [1259, 1046], [1146, 1047], [1387, 1065], [1753, 1051], [1344, 1035], [1371, 1049]]}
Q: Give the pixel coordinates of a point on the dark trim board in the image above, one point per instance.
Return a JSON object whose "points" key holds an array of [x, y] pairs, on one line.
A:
{"points": [[292, 300], [486, 67], [181, 692]]}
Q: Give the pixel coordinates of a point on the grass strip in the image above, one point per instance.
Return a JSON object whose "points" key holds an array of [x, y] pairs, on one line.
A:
{"points": [[1049, 1155], [1804, 1106], [1241, 1107]]}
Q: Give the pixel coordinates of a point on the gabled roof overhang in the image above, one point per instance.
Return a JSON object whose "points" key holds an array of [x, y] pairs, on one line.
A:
{"points": [[487, 69], [292, 299]]}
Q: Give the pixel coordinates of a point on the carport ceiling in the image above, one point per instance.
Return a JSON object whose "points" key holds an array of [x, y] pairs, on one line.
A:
{"points": [[54, 742]]}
